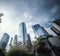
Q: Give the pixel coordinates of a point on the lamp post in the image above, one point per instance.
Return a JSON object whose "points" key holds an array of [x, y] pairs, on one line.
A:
{"points": [[1, 14]]}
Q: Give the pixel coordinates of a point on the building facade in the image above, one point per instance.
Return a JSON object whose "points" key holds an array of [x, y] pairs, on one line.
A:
{"points": [[15, 40], [44, 31], [29, 43], [4, 40], [39, 30], [11, 41], [23, 33], [56, 26]]}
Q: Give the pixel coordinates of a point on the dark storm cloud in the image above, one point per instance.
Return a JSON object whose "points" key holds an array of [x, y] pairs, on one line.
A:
{"points": [[40, 10], [45, 10]]}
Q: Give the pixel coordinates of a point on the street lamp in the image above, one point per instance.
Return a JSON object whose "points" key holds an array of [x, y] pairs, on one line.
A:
{"points": [[1, 14]]}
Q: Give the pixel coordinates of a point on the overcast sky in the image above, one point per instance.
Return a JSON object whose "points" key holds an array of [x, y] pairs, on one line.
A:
{"points": [[31, 12]]}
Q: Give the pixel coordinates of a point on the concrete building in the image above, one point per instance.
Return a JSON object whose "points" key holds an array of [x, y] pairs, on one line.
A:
{"points": [[55, 45], [56, 26]]}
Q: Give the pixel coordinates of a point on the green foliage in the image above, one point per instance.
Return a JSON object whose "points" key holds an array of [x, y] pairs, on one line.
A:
{"points": [[38, 41], [2, 52], [17, 51]]}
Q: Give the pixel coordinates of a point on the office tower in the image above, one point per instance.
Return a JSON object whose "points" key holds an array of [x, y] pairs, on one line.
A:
{"points": [[37, 30], [56, 26], [44, 31], [4, 40], [29, 44], [15, 40], [11, 41], [23, 33]]}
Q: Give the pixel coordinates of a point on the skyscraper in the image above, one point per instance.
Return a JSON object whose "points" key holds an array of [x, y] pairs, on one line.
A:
{"points": [[44, 31], [23, 33], [39, 30], [29, 44], [15, 40], [4, 40], [11, 41], [56, 26]]}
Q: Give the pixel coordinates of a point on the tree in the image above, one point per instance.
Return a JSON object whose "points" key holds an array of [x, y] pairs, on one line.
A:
{"points": [[17, 51], [2, 52]]}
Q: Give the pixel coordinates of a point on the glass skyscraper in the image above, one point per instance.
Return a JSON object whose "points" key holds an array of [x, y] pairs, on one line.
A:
{"points": [[23, 33], [15, 40], [44, 31], [37, 30], [11, 41], [4, 40], [29, 44]]}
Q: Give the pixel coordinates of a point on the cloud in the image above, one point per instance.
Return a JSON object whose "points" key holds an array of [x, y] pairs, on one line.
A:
{"points": [[32, 12]]}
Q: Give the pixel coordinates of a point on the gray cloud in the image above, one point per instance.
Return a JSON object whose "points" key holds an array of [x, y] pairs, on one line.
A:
{"points": [[41, 10]]}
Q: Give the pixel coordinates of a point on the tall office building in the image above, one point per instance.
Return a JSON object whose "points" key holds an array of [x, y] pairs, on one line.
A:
{"points": [[11, 41], [23, 33], [56, 26], [55, 45], [29, 43], [15, 40], [44, 31], [4, 40], [39, 30]]}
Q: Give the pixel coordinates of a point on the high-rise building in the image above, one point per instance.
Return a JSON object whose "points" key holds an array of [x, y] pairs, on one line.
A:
{"points": [[56, 26], [44, 31], [39, 30], [29, 43], [55, 45], [23, 33], [11, 41], [15, 40], [4, 40]]}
